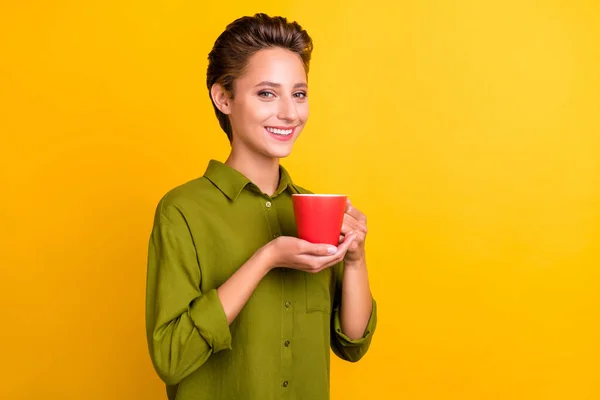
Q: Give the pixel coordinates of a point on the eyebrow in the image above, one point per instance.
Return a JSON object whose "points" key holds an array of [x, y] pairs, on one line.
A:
{"points": [[278, 85]]}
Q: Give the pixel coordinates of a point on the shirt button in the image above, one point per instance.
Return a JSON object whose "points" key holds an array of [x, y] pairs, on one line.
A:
{"points": [[287, 304], [285, 383], [268, 204], [286, 343]]}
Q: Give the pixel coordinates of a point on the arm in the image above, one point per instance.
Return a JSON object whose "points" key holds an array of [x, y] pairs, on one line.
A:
{"points": [[355, 313], [185, 326], [357, 302], [345, 319]]}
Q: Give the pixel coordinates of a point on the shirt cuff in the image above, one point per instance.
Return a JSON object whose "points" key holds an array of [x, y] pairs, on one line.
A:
{"points": [[209, 318], [369, 330]]}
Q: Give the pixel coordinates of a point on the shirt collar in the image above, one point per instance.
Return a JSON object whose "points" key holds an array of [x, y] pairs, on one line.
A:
{"points": [[231, 181]]}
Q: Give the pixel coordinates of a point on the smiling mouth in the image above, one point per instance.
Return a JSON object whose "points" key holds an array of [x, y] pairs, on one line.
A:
{"points": [[280, 131]]}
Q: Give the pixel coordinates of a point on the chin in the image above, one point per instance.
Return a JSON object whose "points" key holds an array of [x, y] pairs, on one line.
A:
{"points": [[279, 153], [279, 150]]}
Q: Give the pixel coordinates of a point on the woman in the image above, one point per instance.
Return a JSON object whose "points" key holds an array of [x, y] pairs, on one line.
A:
{"points": [[237, 306]]}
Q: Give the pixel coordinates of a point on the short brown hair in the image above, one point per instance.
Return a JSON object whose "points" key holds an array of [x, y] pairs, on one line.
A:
{"points": [[243, 38]]}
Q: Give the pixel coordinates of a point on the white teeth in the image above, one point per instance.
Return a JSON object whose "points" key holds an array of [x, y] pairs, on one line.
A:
{"points": [[283, 132]]}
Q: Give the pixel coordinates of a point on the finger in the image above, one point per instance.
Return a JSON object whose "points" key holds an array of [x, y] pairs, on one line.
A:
{"points": [[345, 229], [350, 224], [348, 240], [342, 249], [317, 249], [357, 215], [331, 259], [354, 212], [316, 264], [330, 264]]}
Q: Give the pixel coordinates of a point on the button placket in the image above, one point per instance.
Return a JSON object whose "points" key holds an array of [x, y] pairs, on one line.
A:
{"points": [[271, 216], [287, 330]]}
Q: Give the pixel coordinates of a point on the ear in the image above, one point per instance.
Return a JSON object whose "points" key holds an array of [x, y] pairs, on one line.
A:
{"points": [[221, 98]]}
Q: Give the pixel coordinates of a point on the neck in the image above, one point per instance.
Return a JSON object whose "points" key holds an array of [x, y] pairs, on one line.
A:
{"points": [[260, 170]]}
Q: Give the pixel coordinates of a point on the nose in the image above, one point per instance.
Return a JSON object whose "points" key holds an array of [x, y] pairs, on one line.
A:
{"points": [[287, 110]]}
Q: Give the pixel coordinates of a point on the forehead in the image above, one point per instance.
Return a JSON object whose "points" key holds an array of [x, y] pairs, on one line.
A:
{"points": [[276, 65]]}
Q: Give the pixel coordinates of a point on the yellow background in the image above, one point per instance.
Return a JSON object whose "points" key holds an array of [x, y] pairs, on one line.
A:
{"points": [[467, 131]]}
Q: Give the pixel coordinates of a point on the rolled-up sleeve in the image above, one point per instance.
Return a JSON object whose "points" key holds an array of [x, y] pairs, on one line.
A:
{"points": [[184, 326], [210, 320]]}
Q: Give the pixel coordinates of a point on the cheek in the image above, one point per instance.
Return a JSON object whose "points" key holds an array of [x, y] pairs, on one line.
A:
{"points": [[252, 112], [261, 113], [303, 111]]}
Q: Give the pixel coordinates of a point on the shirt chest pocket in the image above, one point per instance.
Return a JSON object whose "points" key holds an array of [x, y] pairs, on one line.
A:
{"points": [[318, 291]]}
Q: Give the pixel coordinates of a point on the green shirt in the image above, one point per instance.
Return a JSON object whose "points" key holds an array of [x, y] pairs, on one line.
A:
{"points": [[278, 347]]}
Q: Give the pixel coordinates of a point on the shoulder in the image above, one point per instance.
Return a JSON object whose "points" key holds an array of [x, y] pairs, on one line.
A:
{"points": [[180, 200]]}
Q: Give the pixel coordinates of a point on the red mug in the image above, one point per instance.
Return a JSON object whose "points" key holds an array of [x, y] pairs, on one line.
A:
{"points": [[319, 217]]}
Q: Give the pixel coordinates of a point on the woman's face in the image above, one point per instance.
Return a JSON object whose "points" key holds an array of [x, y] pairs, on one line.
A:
{"points": [[270, 105]]}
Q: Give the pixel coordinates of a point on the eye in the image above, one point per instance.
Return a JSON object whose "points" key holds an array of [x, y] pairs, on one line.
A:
{"points": [[300, 95], [265, 94]]}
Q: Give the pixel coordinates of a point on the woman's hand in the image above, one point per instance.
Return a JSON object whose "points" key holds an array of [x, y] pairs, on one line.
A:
{"points": [[355, 222], [294, 253]]}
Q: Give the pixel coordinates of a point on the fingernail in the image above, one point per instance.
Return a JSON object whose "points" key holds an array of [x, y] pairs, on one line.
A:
{"points": [[331, 249]]}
